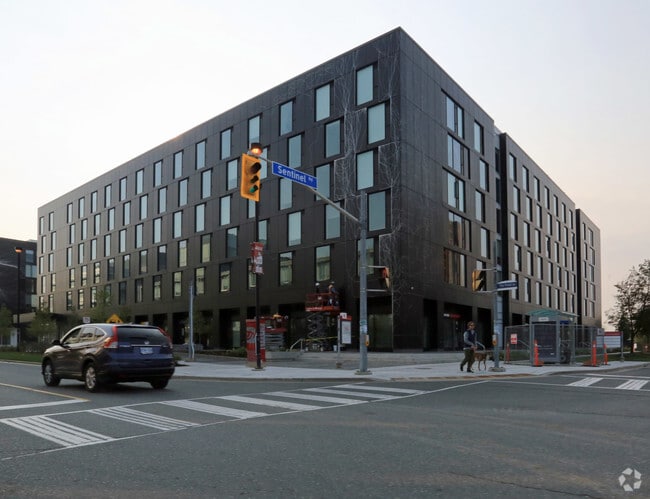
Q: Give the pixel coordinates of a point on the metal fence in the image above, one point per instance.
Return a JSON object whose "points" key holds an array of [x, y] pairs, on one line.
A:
{"points": [[557, 342]]}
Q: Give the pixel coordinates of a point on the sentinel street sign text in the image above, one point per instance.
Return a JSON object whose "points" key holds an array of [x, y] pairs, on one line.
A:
{"points": [[294, 175]]}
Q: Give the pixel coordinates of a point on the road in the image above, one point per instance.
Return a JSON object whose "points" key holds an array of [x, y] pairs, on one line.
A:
{"points": [[546, 437]]}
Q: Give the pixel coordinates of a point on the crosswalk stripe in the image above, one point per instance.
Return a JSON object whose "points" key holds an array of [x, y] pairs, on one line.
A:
{"points": [[401, 391], [632, 384], [214, 409], [142, 418], [316, 398], [585, 382], [56, 431], [377, 396], [271, 403]]}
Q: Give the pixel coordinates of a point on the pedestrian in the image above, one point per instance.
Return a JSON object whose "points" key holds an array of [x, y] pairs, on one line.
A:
{"points": [[469, 346], [334, 295]]}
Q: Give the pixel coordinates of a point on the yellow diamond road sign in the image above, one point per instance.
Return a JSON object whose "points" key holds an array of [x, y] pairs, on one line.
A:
{"points": [[114, 319]]}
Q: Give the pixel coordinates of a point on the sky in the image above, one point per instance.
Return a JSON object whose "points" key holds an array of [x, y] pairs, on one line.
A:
{"points": [[86, 85]]}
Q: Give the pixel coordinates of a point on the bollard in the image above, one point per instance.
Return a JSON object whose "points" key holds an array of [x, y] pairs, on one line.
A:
{"points": [[536, 361]]}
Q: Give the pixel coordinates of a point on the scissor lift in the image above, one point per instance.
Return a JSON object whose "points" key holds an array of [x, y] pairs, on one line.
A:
{"points": [[320, 307]]}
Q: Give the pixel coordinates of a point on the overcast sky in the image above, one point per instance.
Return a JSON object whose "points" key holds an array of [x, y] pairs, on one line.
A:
{"points": [[86, 85]]}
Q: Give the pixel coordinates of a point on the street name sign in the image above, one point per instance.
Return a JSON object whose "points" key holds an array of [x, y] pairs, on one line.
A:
{"points": [[506, 285], [294, 175]]}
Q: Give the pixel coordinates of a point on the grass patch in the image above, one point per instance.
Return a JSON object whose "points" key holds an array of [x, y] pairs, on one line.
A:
{"points": [[20, 356]]}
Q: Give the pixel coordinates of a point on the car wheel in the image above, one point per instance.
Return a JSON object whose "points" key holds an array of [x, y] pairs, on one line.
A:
{"points": [[90, 378], [159, 384], [49, 377]]}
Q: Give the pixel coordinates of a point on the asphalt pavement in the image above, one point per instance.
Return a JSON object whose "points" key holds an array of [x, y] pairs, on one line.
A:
{"points": [[316, 366]]}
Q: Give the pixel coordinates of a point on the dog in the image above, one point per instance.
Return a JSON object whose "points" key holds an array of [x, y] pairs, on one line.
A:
{"points": [[482, 356]]}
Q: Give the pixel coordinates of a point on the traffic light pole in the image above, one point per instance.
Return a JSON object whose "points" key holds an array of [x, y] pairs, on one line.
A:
{"points": [[258, 350]]}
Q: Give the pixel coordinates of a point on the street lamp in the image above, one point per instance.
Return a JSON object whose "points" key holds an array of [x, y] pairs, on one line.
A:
{"points": [[18, 251]]}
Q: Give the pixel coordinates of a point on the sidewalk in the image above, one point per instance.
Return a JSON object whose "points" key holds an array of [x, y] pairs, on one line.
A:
{"points": [[314, 366]]}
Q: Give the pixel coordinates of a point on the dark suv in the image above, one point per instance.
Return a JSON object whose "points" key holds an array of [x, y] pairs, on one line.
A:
{"points": [[110, 353]]}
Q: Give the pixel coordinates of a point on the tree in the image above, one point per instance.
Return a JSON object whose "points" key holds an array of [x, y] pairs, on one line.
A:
{"points": [[631, 314], [43, 326], [6, 325]]}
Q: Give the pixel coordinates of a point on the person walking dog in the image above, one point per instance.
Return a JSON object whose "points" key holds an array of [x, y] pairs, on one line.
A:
{"points": [[469, 346]]}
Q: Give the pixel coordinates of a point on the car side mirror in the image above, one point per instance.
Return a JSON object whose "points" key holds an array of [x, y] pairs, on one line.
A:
{"points": [[56, 342]]}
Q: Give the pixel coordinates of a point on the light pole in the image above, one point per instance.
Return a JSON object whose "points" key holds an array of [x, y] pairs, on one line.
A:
{"points": [[18, 251]]}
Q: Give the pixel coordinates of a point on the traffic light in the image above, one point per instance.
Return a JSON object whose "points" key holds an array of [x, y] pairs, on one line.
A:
{"points": [[479, 280], [250, 177], [385, 278]]}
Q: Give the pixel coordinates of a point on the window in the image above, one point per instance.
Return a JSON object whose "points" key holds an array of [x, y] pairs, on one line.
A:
{"points": [[93, 202], [126, 213], [286, 269], [479, 143], [111, 219], [376, 123], [122, 193], [512, 167], [455, 117], [122, 240], [525, 178], [206, 247], [224, 215], [157, 230], [139, 290], [126, 266], [182, 192], [110, 269], [323, 263], [455, 192], [178, 164], [182, 253], [377, 210], [323, 177], [286, 193], [232, 168], [459, 231], [107, 245], [479, 206], [295, 151], [294, 229], [162, 200], [516, 199], [225, 143], [157, 173], [200, 155], [332, 222], [177, 284], [162, 257], [139, 181], [455, 265], [224, 277], [177, 230], [144, 203], [322, 104], [365, 85], [254, 129], [365, 170], [199, 281], [157, 287], [206, 184], [485, 243], [231, 242], [286, 118], [457, 155], [81, 207], [199, 218], [262, 231], [333, 138], [143, 264]]}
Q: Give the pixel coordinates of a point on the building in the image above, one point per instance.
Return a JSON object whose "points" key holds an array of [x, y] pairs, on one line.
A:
{"points": [[447, 193], [17, 283]]}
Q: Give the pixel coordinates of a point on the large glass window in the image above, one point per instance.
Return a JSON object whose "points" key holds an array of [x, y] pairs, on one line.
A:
{"points": [[365, 85], [333, 138], [182, 253], [157, 287], [182, 192], [139, 181], [206, 184], [322, 103], [286, 193], [483, 175], [286, 268], [377, 210], [455, 267], [123, 186], [225, 143], [224, 277], [457, 155], [162, 257], [479, 206], [478, 138], [177, 284], [224, 215], [323, 263], [286, 117], [199, 281], [144, 261], [157, 173], [295, 151], [455, 192], [365, 170], [178, 164], [177, 230], [144, 204], [206, 247], [232, 169], [459, 231], [199, 218], [376, 123], [231, 242], [455, 120], [485, 243], [157, 230], [294, 228], [200, 155], [126, 213], [254, 125], [162, 200], [323, 177], [332, 222]]}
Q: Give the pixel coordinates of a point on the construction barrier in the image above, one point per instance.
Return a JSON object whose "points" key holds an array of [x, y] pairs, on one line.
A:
{"points": [[536, 361]]}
